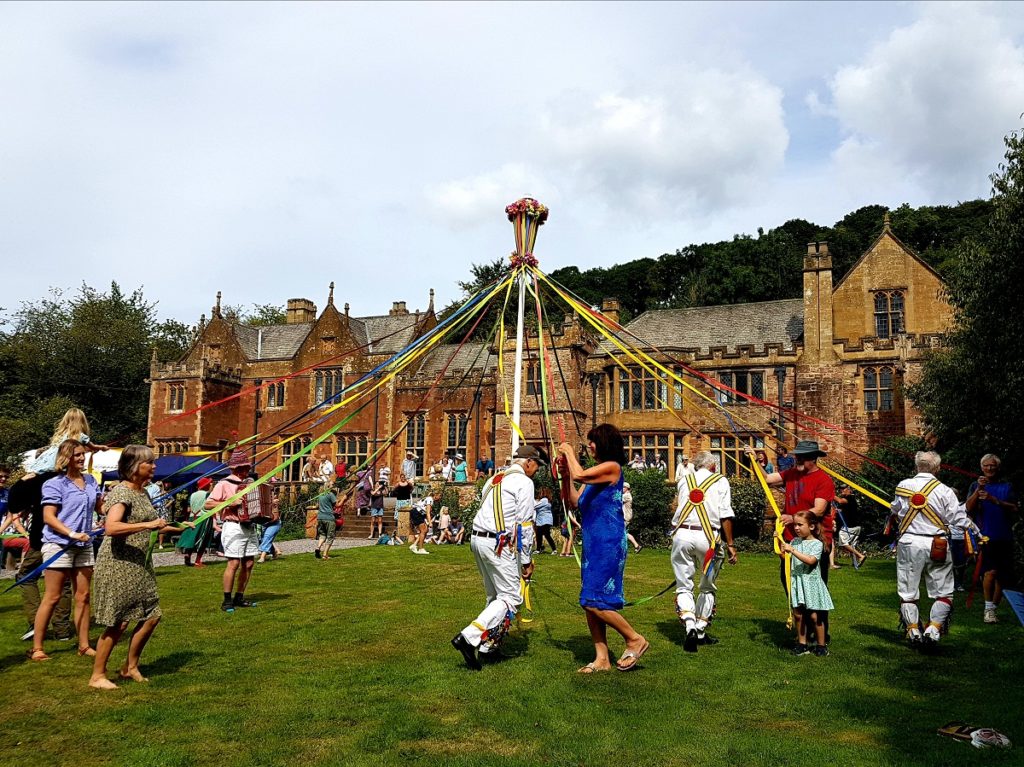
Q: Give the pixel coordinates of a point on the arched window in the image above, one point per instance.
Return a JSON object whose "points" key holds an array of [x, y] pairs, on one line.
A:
{"points": [[878, 389], [888, 313]]}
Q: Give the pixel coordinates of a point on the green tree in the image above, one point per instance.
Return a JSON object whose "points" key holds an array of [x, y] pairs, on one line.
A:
{"points": [[970, 390], [91, 350]]}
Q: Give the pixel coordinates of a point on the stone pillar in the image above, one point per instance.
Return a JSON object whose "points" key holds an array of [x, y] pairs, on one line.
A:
{"points": [[817, 305]]}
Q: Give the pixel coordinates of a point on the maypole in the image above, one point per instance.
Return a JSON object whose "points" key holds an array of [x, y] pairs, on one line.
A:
{"points": [[527, 216]]}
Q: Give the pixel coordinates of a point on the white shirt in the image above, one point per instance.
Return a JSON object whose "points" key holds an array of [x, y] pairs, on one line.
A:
{"points": [[326, 471], [516, 506], [682, 469], [942, 500], [446, 469], [409, 469], [717, 501]]}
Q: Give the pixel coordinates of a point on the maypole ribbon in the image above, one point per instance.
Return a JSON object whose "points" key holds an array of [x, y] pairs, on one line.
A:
{"points": [[779, 527], [866, 493]]}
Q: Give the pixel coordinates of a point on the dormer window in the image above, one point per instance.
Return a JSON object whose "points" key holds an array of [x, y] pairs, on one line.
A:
{"points": [[888, 313]]}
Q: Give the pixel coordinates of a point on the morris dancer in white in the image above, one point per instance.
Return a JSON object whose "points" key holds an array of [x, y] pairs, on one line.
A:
{"points": [[925, 510], [502, 544], [704, 508]]}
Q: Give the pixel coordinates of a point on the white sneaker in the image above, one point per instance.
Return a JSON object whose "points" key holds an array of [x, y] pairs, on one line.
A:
{"points": [[990, 616], [414, 550], [369, 537], [931, 633], [421, 551], [28, 635]]}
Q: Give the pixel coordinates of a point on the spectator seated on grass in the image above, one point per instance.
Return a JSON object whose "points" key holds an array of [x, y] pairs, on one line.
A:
{"points": [[456, 532]]}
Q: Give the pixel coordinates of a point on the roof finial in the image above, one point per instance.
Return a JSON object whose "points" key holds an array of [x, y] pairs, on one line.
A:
{"points": [[430, 306], [216, 308], [330, 296], [346, 308], [886, 224]]}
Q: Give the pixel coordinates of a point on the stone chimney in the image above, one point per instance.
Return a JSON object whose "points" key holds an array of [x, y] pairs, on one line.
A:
{"points": [[818, 305], [611, 308], [398, 307], [301, 310]]}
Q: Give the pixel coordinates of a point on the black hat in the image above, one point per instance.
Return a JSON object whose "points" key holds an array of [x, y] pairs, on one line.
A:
{"points": [[809, 449], [529, 451]]}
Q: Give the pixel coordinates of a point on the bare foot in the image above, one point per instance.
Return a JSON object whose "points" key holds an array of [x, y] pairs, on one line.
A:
{"points": [[102, 683], [132, 673], [86, 652]]}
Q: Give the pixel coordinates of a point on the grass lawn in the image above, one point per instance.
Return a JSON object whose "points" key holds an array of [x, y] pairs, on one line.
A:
{"points": [[348, 662]]}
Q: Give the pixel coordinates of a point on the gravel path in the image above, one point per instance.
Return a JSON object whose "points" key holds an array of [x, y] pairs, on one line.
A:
{"points": [[169, 557]]}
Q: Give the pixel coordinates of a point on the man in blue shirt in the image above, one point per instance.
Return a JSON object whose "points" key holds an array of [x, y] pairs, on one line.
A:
{"points": [[484, 467], [783, 460], [992, 504]]}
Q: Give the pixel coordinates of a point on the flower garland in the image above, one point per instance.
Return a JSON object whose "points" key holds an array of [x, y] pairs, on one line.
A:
{"points": [[527, 259], [529, 207]]}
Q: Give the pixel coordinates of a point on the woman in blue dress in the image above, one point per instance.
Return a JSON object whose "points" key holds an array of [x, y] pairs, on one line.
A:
{"points": [[604, 546]]}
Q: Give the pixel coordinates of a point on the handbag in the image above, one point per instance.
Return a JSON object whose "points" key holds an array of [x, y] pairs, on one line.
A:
{"points": [[257, 506], [940, 546]]}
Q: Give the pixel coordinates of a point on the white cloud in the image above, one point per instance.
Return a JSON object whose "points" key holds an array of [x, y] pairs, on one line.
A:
{"points": [[464, 202], [707, 139], [932, 102]]}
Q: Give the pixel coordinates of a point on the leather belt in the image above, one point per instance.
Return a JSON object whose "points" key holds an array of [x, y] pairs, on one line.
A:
{"points": [[693, 527], [483, 534]]}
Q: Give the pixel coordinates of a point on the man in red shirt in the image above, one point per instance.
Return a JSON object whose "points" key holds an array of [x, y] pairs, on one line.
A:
{"points": [[807, 488]]}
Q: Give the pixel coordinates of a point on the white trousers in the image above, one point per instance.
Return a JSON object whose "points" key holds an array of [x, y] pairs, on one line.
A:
{"points": [[689, 547], [501, 587], [913, 559]]}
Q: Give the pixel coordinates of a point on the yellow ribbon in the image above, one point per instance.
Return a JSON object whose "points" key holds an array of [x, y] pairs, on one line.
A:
{"points": [[866, 493]]}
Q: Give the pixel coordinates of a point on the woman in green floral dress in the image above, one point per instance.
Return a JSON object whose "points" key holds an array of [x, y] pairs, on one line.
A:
{"points": [[124, 584]]}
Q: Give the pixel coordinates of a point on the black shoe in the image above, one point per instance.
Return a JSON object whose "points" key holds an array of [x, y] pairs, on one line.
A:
{"points": [[706, 639], [821, 651], [462, 644], [227, 607], [316, 553], [690, 643], [802, 649], [243, 603]]}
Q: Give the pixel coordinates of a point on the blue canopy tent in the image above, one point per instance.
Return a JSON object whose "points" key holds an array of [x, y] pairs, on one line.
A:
{"points": [[166, 465]]}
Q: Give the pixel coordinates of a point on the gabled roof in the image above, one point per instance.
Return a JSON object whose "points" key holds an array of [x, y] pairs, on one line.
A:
{"points": [[271, 342], [886, 232], [731, 326], [473, 357]]}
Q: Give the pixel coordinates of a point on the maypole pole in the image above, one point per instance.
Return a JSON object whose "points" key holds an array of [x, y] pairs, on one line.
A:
{"points": [[527, 216]]}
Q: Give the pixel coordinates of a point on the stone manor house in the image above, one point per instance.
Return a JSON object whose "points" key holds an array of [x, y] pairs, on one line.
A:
{"points": [[842, 353]]}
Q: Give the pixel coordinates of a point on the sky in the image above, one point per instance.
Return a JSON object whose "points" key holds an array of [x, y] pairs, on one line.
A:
{"points": [[266, 150]]}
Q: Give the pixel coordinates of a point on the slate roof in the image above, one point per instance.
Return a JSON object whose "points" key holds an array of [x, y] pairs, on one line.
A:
{"points": [[387, 334], [398, 329], [732, 325], [272, 342], [472, 356]]}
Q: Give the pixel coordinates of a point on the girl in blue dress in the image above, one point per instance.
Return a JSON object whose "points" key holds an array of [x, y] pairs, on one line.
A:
{"points": [[809, 595], [604, 546]]}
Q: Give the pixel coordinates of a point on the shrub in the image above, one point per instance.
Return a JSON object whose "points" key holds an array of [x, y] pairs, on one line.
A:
{"points": [[652, 506], [749, 505]]}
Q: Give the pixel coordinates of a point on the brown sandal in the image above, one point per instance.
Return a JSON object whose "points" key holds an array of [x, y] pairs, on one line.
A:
{"points": [[86, 652], [37, 655]]}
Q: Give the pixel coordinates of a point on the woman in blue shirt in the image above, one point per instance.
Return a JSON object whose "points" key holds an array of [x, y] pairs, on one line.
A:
{"points": [[992, 504], [543, 519], [70, 502]]}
